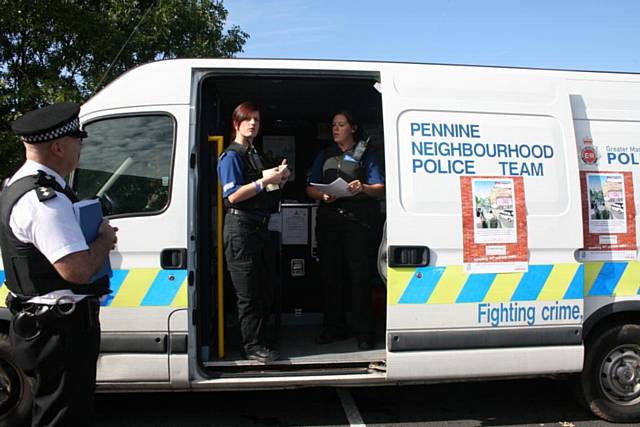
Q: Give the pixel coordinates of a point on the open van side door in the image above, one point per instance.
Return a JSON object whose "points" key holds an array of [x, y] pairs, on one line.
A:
{"points": [[483, 218]]}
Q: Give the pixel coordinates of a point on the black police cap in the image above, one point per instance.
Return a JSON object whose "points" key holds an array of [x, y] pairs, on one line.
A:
{"points": [[49, 123]]}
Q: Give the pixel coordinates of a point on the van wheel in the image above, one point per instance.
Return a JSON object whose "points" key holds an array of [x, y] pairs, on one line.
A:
{"points": [[610, 380], [15, 388]]}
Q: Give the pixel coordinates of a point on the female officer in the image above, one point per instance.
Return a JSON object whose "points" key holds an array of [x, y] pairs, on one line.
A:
{"points": [[344, 229], [248, 250]]}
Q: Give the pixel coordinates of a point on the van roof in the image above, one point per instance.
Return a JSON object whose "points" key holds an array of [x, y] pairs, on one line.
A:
{"points": [[169, 81]]}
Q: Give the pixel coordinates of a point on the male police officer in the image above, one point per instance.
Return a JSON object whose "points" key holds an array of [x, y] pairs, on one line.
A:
{"points": [[55, 331]]}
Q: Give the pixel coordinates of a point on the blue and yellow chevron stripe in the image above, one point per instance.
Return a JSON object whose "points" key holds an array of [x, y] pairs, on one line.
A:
{"points": [[139, 287], [451, 285]]}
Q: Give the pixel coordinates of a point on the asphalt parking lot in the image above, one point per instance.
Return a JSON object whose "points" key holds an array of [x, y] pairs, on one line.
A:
{"points": [[532, 402]]}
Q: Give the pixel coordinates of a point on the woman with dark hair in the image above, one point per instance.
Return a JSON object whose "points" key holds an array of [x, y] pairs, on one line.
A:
{"points": [[248, 249], [344, 230]]}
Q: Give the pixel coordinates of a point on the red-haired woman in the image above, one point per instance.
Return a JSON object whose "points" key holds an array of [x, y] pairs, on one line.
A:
{"points": [[248, 250]]}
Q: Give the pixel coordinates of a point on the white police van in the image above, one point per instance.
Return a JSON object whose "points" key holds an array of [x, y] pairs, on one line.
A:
{"points": [[499, 262]]}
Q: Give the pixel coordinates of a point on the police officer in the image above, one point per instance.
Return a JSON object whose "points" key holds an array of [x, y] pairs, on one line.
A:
{"points": [[55, 331], [344, 230], [248, 250]]}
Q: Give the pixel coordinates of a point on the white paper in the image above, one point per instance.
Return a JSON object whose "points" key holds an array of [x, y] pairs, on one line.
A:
{"points": [[268, 173], [496, 267], [495, 250], [338, 188], [613, 255], [606, 239], [294, 226]]}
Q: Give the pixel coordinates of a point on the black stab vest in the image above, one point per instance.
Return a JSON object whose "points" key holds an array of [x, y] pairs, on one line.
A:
{"points": [[341, 165], [28, 272], [264, 202]]}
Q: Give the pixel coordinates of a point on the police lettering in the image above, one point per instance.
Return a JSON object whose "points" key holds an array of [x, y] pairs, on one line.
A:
{"points": [[442, 166], [624, 158], [519, 169], [450, 149], [446, 130]]}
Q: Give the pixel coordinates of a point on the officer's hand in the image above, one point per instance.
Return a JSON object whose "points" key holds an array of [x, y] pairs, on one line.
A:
{"points": [[328, 198], [276, 175], [284, 171], [109, 232], [355, 186]]}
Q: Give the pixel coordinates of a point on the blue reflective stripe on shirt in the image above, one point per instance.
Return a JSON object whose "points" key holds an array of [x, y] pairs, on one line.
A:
{"points": [[316, 169], [373, 173], [230, 172]]}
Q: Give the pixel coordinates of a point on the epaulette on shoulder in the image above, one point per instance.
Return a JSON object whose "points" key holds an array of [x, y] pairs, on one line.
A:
{"points": [[45, 193]]}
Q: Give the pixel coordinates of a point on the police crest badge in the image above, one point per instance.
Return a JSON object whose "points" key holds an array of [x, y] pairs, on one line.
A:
{"points": [[589, 154]]}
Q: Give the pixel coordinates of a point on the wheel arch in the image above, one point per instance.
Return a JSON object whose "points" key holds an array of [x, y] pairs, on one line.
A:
{"points": [[616, 312]]}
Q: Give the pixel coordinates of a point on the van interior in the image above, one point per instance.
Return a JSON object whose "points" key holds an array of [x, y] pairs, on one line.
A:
{"points": [[296, 112]]}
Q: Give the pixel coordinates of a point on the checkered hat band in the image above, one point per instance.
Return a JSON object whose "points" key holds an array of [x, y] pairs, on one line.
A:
{"points": [[56, 133]]}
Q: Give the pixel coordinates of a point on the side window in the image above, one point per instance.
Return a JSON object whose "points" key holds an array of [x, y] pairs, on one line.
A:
{"points": [[126, 162]]}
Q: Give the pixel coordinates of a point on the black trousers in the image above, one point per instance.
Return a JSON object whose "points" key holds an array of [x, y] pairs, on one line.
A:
{"points": [[344, 247], [62, 361], [251, 262]]}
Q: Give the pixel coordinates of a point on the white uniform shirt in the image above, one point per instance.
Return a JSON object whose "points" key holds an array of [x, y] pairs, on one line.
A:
{"points": [[51, 226]]}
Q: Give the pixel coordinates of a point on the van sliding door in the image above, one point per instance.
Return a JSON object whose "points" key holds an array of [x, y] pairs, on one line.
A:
{"points": [[483, 221]]}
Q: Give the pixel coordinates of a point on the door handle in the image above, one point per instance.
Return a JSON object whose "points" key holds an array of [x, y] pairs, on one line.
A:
{"points": [[173, 259]]}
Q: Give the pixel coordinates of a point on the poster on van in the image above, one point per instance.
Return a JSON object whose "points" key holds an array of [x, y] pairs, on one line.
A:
{"points": [[608, 210], [494, 224]]}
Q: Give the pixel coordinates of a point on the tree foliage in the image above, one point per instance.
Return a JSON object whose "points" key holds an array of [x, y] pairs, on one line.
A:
{"points": [[65, 50]]}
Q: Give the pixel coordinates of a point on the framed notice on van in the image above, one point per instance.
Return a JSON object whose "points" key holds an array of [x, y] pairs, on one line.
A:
{"points": [[494, 224], [608, 212]]}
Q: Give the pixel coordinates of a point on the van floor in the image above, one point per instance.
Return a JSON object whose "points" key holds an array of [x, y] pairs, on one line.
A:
{"points": [[296, 346]]}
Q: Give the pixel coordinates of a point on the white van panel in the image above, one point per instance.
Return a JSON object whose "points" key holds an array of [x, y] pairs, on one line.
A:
{"points": [[163, 83], [130, 367], [482, 89], [487, 108], [605, 100], [468, 364], [441, 316]]}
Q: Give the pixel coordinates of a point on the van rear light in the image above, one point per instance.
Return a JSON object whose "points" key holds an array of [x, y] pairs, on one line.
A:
{"points": [[408, 256]]}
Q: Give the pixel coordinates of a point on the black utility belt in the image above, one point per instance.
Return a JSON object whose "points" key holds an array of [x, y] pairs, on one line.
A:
{"points": [[33, 318], [262, 219], [64, 305]]}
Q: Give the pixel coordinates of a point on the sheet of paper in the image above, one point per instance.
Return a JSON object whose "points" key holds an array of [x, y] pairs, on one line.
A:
{"points": [[294, 226], [337, 188]]}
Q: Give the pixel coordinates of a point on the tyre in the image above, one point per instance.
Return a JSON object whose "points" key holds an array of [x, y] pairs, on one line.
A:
{"points": [[15, 389], [610, 381]]}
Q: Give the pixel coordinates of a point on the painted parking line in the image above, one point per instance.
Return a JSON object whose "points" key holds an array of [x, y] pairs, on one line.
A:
{"points": [[350, 408]]}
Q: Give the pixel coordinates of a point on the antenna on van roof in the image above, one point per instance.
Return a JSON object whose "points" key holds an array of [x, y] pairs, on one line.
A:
{"points": [[144, 15]]}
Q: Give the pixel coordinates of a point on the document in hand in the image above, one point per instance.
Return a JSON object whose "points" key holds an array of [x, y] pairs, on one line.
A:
{"points": [[338, 188], [89, 216], [267, 173]]}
